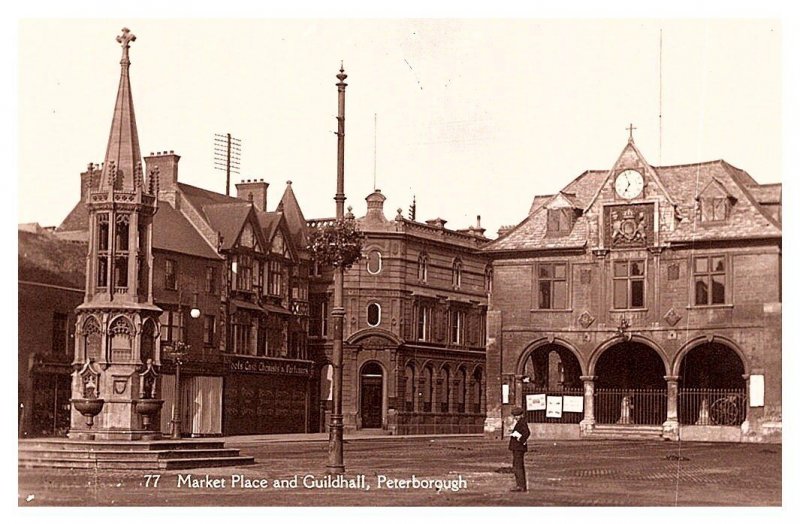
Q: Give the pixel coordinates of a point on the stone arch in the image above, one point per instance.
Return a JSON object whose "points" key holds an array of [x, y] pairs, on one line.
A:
{"points": [[536, 344], [705, 339], [362, 334], [147, 344], [92, 338], [598, 352], [372, 397], [121, 333]]}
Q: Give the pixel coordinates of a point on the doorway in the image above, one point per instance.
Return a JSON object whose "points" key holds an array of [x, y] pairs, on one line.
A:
{"points": [[372, 396]]}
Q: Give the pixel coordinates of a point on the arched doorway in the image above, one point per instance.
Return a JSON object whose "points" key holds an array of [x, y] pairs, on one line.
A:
{"points": [[630, 387], [712, 386], [552, 370], [371, 396]]}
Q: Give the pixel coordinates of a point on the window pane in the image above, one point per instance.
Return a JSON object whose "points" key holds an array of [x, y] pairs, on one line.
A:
{"points": [[374, 262], [559, 295], [620, 269], [620, 294], [718, 289], [544, 295], [637, 268], [637, 293], [545, 270], [701, 265], [560, 270], [700, 292], [718, 264], [720, 209], [373, 314]]}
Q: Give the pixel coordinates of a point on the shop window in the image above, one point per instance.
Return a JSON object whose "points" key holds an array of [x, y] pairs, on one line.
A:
{"points": [[629, 284], [709, 280], [552, 286]]}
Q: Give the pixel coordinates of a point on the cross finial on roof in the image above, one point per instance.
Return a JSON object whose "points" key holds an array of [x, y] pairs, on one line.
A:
{"points": [[125, 39], [630, 129]]}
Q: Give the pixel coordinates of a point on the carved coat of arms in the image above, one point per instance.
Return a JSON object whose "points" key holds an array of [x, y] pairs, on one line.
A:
{"points": [[629, 226]]}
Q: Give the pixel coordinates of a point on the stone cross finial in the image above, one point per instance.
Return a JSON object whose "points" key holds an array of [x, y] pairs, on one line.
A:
{"points": [[630, 129], [125, 39]]}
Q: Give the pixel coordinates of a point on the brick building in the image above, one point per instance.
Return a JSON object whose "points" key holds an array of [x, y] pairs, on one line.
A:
{"points": [[414, 327], [641, 301], [51, 285]]}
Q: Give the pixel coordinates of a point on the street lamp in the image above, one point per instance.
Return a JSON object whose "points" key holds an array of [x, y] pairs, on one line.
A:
{"points": [[178, 353], [335, 443]]}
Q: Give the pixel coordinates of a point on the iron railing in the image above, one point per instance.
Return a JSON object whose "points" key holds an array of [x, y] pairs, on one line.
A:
{"points": [[630, 406], [712, 407], [539, 416]]}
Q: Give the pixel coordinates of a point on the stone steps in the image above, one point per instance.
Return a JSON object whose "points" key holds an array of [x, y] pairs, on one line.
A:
{"points": [[142, 455], [626, 432]]}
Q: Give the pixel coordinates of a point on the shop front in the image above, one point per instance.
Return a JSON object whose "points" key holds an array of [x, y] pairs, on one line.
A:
{"points": [[266, 395]]}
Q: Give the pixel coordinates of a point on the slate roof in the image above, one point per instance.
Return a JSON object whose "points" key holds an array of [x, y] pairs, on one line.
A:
{"points": [[44, 258], [295, 220], [752, 216], [228, 219], [173, 232]]}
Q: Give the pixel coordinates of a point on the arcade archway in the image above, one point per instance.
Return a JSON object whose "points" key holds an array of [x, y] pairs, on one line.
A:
{"points": [[551, 370], [630, 385], [712, 388]]}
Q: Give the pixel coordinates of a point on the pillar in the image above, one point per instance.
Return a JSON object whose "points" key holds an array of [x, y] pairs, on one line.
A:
{"points": [[671, 427], [587, 424]]}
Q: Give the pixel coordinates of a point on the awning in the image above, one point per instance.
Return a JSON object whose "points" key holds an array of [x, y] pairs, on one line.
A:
{"points": [[265, 308]]}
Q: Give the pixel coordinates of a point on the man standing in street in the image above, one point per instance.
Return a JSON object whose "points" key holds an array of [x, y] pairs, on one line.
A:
{"points": [[518, 446]]}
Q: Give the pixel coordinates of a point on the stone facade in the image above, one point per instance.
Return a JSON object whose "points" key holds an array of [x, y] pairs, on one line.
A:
{"points": [[414, 327], [655, 292]]}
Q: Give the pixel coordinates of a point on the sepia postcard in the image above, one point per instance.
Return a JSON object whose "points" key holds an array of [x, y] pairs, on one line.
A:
{"points": [[447, 262]]}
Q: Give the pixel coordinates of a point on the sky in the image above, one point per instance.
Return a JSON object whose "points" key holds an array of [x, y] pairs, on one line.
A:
{"points": [[473, 117]]}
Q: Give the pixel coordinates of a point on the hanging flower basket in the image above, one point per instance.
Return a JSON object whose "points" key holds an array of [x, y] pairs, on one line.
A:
{"points": [[337, 245]]}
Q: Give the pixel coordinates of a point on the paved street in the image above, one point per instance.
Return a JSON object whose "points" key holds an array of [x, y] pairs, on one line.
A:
{"points": [[592, 473]]}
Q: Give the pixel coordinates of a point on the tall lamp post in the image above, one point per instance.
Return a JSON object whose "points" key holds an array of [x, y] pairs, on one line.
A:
{"points": [[335, 444], [179, 354]]}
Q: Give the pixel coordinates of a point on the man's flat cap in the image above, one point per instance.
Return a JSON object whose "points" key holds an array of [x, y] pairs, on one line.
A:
{"points": [[517, 411]]}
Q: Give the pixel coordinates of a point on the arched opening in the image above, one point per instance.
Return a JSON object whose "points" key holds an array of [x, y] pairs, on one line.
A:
{"points": [[372, 396], [374, 262], [427, 389], [552, 370], [410, 387], [712, 386], [461, 390], [92, 339], [477, 391], [444, 391], [374, 314], [630, 385], [148, 343]]}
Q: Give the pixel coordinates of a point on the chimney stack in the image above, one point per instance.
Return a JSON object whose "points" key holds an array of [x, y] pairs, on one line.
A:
{"points": [[167, 163], [254, 191]]}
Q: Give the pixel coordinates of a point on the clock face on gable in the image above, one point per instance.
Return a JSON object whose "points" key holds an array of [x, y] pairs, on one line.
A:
{"points": [[629, 184]]}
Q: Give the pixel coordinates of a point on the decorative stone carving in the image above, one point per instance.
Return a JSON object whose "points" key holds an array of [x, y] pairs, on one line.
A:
{"points": [[672, 317], [585, 319]]}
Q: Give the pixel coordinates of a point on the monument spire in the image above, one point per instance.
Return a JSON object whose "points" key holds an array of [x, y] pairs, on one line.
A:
{"points": [[123, 156]]}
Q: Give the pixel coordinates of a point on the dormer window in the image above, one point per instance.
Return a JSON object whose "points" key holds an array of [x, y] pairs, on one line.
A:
{"points": [[560, 221], [714, 209]]}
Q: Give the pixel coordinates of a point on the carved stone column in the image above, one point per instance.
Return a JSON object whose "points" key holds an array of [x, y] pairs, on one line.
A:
{"points": [[588, 422], [671, 426]]}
